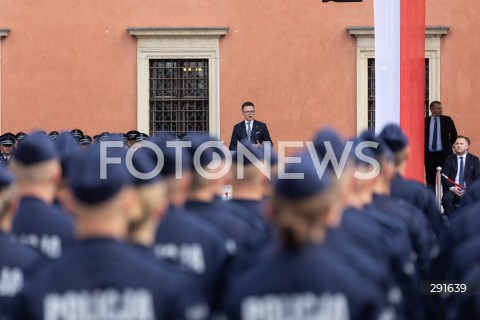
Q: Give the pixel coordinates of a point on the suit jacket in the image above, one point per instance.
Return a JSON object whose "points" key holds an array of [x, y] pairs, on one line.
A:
{"points": [[471, 170], [260, 133], [448, 135]]}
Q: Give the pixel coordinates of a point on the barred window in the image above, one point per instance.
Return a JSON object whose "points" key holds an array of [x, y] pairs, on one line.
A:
{"points": [[371, 92], [179, 96]]}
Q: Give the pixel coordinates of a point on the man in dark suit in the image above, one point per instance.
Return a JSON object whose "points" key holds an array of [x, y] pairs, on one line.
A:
{"points": [[250, 129], [440, 135], [461, 167]]}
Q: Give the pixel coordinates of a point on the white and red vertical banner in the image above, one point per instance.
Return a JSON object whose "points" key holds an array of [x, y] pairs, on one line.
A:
{"points": [[400, 73]]}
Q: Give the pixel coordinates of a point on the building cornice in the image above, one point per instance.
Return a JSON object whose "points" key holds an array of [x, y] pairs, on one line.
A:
{"points": [[4, 32], [177, 32], [359, 31]]}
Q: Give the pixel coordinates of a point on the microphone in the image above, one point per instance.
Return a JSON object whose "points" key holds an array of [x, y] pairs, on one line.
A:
{"points": [[256, 135]]}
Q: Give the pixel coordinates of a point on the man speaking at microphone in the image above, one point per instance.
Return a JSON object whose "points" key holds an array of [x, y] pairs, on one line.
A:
{"points": [[256, 132], [461, 167]]}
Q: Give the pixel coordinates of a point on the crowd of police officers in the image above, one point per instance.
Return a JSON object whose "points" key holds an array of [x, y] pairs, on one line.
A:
{"points": [[335, 232]]}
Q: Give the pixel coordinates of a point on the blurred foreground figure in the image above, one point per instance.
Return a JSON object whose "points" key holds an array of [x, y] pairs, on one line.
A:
{"points": [[38, 223], [102, 276], [298, 277], [15, 258]]}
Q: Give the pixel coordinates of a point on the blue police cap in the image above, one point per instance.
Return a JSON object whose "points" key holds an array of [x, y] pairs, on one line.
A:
{"points": [[6, 178], [169, 155], [104, 136], [307, 186], [132, 134], [20, 135], [394, 137], [325, 136], [67, 148], [53, 135], [378, 151], [85, 140], [141, 137], [34, 149], [113, 137], [86, 181], [7, 139], [210, 153], [77, 133], [143, 161]]}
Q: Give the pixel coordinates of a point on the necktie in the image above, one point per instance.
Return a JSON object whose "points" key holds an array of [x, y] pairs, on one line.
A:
{"points": [[249, 130], [461, 173], [435, 133]]}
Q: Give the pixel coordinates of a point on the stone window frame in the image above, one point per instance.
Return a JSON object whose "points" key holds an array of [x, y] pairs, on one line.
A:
{"points": [[3, 33], [366, 50], [178, 43]]}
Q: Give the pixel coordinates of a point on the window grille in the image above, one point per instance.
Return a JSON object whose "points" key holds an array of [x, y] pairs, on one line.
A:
{"points": [[427, 87], [179, 96], [371, 92]]}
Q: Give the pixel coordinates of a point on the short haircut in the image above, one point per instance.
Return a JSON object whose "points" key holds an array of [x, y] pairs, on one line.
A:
{"points": [[400, 157], [41, 172], [246, 104], [466, 139], [433, 103], [6, 198]]}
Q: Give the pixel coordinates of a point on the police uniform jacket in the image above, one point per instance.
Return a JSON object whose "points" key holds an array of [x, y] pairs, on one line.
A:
{"points": [[42, 226], [16, 260], [301, 284], [103, 278], [194, 246]]}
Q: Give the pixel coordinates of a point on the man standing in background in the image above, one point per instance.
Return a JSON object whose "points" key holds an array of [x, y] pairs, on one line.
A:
{"points": [[440, 135]]}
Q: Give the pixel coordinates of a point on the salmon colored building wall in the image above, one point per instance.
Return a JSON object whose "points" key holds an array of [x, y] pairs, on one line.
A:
{"points": [[69, 64], [460, 70]]}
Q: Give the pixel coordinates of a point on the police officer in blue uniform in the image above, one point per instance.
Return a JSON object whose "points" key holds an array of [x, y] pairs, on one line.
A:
{"points": [[297, 278], [255, 231], [37, 222], [182, 237], [132, 137], [204, 196], [419, 228], [144, 219], [85, 141], [393, 227], [251, 170], [458, 260], [409, 190], [357, 238], [19, 136], [77, 134], [251, 175], [67, 149], [7, 145], [102, 276], [15, 259], [53, 135], [377, 234]]}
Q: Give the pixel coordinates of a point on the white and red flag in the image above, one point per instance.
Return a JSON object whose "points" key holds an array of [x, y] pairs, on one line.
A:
{"points": [[400, 73]]}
